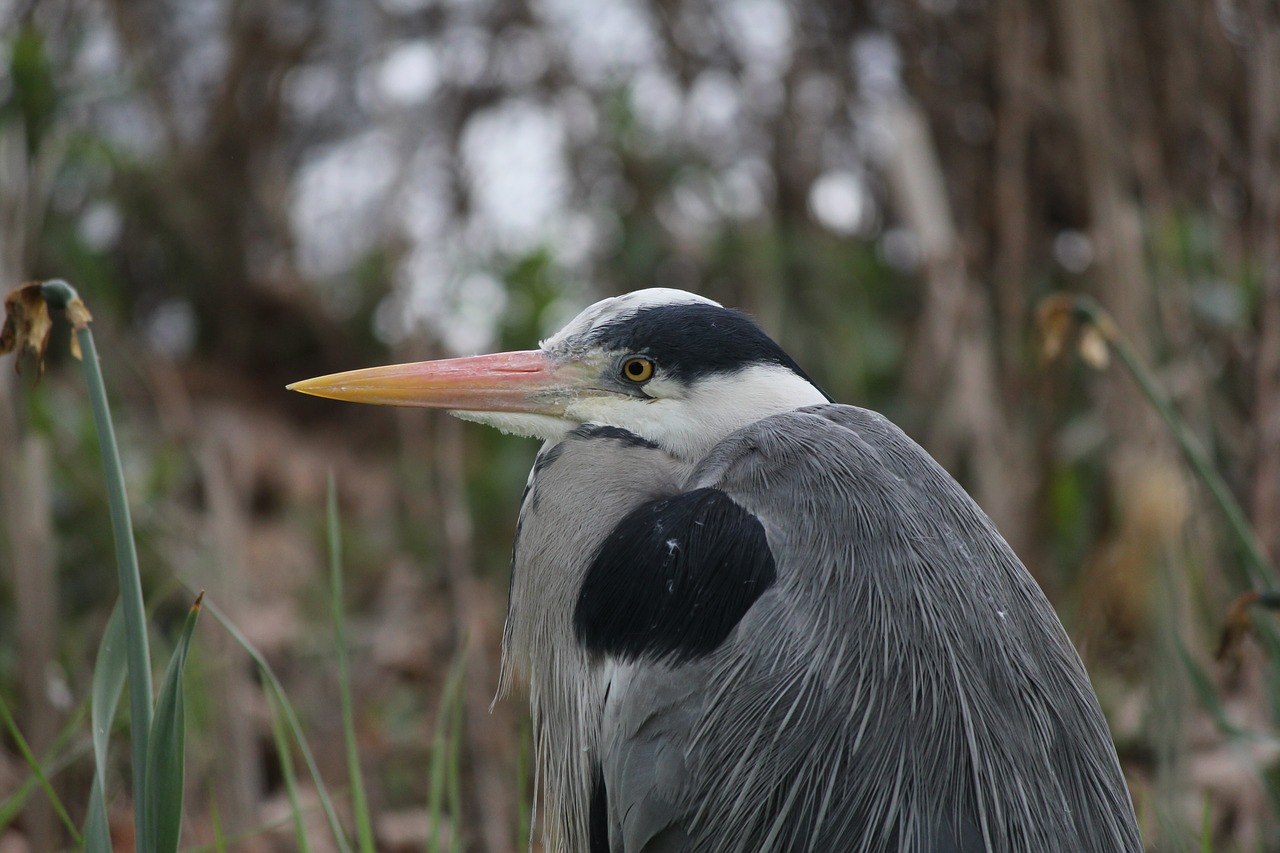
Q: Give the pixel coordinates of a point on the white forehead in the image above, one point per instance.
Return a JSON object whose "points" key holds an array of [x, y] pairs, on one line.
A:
{"points": [[618, 307]]}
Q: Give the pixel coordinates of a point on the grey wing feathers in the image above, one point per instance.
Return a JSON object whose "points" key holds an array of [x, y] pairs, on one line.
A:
{"points": [[903, 686], [650, 715]]}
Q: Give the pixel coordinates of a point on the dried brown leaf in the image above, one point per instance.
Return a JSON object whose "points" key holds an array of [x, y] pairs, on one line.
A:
{"points": [[26, 324], [1236, 626], [78, 314], [1055, 317], [80, 318], [1093, 349]]}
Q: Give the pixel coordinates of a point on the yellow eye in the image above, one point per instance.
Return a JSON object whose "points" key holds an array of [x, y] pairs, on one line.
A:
{"points": [[637, 369]]}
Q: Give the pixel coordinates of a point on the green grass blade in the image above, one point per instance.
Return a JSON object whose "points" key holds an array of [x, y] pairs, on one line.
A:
{"points": [[1206, 824], [1204, 690], [455, 774], [285, 755], [57, 759], [37, 770], [441, 764], [219, 840], [359, 805], [291, 719], [109, 672], [166, 752], [97, 832]]}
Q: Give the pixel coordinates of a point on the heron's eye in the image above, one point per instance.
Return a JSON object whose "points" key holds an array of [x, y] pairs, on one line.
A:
{"points": [[637, 369]]}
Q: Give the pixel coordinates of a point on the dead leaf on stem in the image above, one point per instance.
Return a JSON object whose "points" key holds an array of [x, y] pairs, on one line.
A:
{"points": [[1061, 322], [26, 324]]}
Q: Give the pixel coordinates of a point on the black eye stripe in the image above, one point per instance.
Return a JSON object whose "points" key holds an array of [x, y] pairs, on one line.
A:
{"points": [[691, 341]]}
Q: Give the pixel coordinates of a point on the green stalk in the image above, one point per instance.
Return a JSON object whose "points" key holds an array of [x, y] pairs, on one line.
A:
{"points": [[359, 805], [59, 294], [1262, 574], [57, 758], [38, 771], [291, 720], [286, 770], [443, 757]]}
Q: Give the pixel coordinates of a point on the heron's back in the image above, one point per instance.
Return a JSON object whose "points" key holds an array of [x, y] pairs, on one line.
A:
{"points": [[903, 685]]}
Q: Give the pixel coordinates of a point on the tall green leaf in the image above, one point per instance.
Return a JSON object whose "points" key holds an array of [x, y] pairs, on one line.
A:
{"points": [[162, 796], [109, 672], [97, 832]]}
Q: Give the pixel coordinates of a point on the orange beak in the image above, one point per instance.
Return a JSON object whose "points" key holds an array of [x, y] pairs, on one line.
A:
{"points": [[529, 381]]}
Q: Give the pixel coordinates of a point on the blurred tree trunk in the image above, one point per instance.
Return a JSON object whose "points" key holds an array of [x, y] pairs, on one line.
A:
{"points": [[28, 528], [1264, 100], [238, 785], [955, 359], [1140, 448], [1011, 256], [26, 478], [1115, 224]]}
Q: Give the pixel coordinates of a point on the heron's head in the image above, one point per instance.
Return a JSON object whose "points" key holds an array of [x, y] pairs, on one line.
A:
{"points": [[672, 367]]}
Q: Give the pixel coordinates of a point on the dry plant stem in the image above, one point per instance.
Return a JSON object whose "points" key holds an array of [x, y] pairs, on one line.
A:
{"points": [[1262, 575], [59, 294]]}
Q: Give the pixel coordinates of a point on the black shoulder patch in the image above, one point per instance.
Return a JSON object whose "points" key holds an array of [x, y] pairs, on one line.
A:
{"points": [[598, 817], [674, 578]]}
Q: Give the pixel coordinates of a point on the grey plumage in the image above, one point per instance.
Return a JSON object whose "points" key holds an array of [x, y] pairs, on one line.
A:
{"points": [[751, 619], [915, 691], [564, 518]]}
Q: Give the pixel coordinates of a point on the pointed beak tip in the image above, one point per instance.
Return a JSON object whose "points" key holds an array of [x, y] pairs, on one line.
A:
{"points": [[318, 386]]}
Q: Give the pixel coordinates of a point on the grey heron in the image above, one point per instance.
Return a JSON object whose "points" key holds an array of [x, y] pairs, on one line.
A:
{"points": [[753, 619]]}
